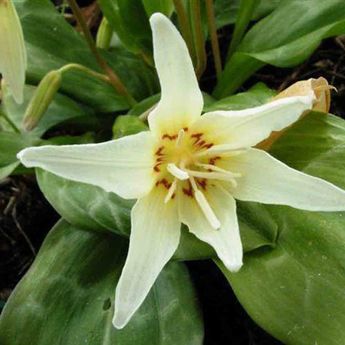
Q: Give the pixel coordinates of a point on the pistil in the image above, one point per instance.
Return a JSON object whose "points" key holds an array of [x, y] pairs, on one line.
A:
{"points": [[227, 176], [171, 191], [205, 206]]}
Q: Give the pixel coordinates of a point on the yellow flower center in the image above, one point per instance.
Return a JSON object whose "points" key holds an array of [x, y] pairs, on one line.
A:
{"points": [[185, 160]]}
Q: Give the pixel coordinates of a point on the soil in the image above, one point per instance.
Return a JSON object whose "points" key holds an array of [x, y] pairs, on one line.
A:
{"points": [[26, 217]]}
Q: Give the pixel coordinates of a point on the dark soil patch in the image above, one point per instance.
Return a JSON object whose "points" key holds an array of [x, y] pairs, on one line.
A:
{"points": [[25, 219]]}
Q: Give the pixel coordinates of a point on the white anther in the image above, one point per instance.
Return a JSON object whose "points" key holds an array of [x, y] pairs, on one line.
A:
{"points": [[207, 210], [171, 191], [177, 172], [180, 137]]}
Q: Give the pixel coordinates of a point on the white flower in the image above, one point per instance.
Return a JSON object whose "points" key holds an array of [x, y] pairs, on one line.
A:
{"points": [[188, 169], [12, 50]]}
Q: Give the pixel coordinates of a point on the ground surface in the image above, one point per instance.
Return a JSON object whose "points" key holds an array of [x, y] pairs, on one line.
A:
{"points": [[25, 216]]}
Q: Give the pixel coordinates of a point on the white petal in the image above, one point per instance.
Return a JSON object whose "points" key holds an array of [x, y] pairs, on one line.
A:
{"points": [[12, 50], [123, 166], [154, 238], [267, 180], [246, 128], [181, 101], [226, 240]]}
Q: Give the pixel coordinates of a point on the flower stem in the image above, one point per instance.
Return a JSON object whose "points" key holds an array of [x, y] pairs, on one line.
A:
{"points": [[199, 40], [113, 78], [244, 16], [10, 122], [214, 39], [87, 70]]}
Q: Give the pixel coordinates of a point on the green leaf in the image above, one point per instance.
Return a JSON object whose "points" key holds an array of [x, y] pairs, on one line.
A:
{"points": [[45, 30], [226, 11], [298, 285], [257, 95], [130, 21], [164, 6], [84, 205], [68, 295], [144, 105], [10, 144], [61, 109], [283, 40], [127, 125]]}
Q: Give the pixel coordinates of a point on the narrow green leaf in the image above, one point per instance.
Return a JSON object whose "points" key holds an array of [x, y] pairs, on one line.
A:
{"points": [[226, 11], [284, 38], [244, 16], [130, 21], [164, 6], [68, 297]]}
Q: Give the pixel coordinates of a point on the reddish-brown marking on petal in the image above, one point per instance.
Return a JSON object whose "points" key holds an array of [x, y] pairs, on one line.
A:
{"points": [[202, 183], [213, 160], [164, 182], [188, 191], [185, 129], [170, 137], [156, 168], [196, 136], [159, 151], [208, 146]]}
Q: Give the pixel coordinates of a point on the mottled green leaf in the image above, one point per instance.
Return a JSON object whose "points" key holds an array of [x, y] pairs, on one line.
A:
{"points": [[295, 290], [67, 297]]}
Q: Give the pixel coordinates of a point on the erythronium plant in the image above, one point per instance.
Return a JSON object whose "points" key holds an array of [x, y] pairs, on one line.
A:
{"points": [[188, 169]]}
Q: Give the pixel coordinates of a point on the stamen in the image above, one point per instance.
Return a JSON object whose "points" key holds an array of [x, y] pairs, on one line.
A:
{"points": [[177, 172], [180, 137], [171, 191], [215, 168], [224, 151], [228, 176]]}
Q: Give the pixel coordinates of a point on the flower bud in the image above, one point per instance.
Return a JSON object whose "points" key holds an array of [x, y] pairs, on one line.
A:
{"points": [[104, 35], [321, 90], [41, 99], [12, 50], [319, 86], [127, 125]]}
